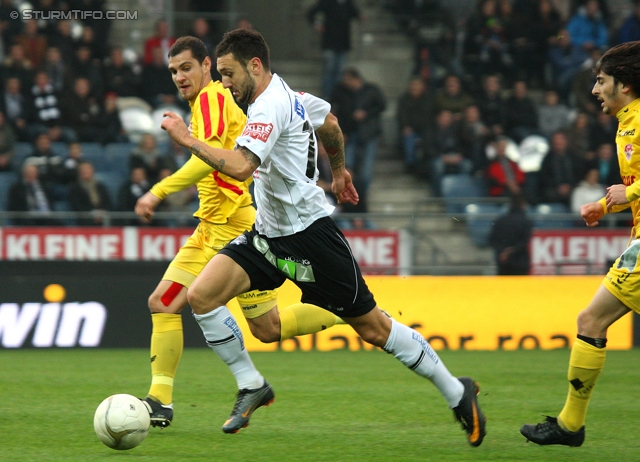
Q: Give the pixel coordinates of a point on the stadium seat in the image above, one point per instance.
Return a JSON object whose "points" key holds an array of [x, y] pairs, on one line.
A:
{"points": [[60, 149], [6, 181], [117, 157], [94, 153], [113, 181], [543, 220], [532, 151], [21, 150], [456, 187], [136, 122], [480, 219], [64, 206], [156, 116]]}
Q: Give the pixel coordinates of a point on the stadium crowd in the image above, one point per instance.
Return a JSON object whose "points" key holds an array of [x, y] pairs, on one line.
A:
{"points": [[513, 72]]}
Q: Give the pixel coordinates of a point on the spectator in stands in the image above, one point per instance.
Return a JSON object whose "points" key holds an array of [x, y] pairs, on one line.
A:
{"points": [[510, 238], [33, 42], [517, 32], [565, 59], [119, 77], [87, 194], [147, 156], [433, 31], [578, 138], [414, 114], [332, 19], [553, 116], [559, 172], [157, 85], [630, 29], [7, 144], [504, 177], [86, 66], [473, 135], [69, 171], [607, 164], [360, 105], [45, 111], [63, 41], [446, 153], [582, 85], [55, 68], [29, 194], [178, 202], [202, 30], [175, 156], [49, 166], [491, 104], [486, 47], [587, 27], [131, 191], [452, 97], [9, 27], [544, 22], [161, 39], [111, 130], [521, 113], [17, 65], [88, 39], [16, 107], [602, 131], [588, 190], [81, 112]]}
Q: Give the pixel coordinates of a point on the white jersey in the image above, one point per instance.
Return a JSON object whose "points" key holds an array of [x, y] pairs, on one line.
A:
{"points": [[280, 131]]}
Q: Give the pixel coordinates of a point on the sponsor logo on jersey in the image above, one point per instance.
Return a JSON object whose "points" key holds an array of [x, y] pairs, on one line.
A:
{"points": [[627, 132], [628, 151], [258, 131], [299, 108]]}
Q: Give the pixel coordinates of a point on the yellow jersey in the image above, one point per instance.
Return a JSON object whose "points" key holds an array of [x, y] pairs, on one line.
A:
{"points": [[216, 120]]}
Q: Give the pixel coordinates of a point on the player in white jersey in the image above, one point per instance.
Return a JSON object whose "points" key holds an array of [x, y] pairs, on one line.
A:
{"points": [[293, 236]]}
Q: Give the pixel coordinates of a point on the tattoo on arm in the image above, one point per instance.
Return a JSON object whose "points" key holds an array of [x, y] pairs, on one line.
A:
{"points": [[207, 158], [333, 143], [253, 160]]}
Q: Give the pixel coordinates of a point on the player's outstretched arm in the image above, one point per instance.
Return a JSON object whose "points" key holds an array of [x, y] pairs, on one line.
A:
{"points": [[239, 164], [331, 137]]}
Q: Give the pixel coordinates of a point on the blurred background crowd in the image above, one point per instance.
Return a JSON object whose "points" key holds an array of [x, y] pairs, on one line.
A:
{"points": [[498, 104]]}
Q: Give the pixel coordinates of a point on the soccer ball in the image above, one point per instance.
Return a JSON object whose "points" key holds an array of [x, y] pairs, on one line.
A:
{"points": [[121, 421]]}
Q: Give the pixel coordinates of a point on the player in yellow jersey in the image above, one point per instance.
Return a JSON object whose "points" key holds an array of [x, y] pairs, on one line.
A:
{"points": [[617, 87], [225, 212]]}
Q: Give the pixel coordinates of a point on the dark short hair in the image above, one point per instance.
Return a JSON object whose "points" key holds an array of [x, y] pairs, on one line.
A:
{"points": [[195, 45], [244, 45], [622, 62], [352, 72]]}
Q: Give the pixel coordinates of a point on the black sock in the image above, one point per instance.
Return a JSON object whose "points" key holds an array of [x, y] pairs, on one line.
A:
{"points": [[596, 342]]}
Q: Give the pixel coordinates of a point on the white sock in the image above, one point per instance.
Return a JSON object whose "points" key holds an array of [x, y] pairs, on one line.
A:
{"points": [[224, 336], [414, 351]]}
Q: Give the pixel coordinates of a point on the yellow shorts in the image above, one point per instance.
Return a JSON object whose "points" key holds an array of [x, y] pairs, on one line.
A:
{"points": [[623, 278], [205, 242]]}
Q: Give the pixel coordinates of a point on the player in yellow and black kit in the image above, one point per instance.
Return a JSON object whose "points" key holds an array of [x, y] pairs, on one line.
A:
{"points": [[225, 212], [618, 88]]}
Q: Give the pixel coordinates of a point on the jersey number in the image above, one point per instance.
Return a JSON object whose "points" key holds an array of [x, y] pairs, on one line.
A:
{"points": [[311, 156]]}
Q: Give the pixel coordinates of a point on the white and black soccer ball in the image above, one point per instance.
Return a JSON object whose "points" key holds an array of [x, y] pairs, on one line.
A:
{"points": [[121, 421]]}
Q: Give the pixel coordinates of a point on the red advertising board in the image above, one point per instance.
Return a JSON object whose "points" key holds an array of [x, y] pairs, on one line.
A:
{"points": [[575, 251], [379, 252]]}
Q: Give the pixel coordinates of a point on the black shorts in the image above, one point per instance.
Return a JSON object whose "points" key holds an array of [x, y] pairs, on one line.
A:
{"points": [[318, 260]]}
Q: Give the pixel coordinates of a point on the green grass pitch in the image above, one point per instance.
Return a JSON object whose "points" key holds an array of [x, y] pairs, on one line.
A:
{"points": [[333, 406]]}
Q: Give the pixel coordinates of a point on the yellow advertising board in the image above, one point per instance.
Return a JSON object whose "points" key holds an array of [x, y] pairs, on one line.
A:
{"points": [[467, 312]]}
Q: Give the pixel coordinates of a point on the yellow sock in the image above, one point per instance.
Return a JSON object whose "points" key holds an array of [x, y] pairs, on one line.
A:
{"points": [[166, 350], [302, 318], [585, 365]]}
